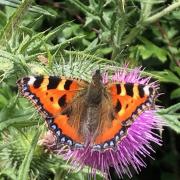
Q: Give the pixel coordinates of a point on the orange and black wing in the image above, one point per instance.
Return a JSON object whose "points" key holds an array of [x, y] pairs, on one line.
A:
{"points": [[51, 95], [129, 101]]}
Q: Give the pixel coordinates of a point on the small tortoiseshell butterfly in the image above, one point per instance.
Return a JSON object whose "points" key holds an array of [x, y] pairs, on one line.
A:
{"points": [[81, 113]]}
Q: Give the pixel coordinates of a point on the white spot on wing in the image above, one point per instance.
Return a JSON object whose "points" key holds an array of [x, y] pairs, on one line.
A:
{"points": [[146, 90], [70, 142], [117, 138], [77, 145], [97, 147], [58, 133], [105, 145], [121, 132], [63, 139], [53, 126], [111, 143], [31, 81]]}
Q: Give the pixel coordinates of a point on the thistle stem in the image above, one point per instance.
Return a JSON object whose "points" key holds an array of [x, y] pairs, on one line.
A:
{"points": [[162, 13]]}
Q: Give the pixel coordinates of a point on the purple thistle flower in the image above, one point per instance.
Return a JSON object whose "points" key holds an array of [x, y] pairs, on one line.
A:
{"points": [[130, 151]]}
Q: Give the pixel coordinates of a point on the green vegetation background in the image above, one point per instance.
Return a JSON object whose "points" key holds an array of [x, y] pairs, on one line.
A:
{"points": [[77, 37]]}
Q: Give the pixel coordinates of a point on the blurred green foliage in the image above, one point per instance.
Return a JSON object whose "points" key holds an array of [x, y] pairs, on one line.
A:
{"points": [[76, 37]]}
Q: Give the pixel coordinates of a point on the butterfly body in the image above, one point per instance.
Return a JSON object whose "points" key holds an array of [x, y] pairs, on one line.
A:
{"points": [[90, 103], [81, 113]]}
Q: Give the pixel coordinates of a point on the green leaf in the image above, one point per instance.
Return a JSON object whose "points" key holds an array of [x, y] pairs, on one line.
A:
{"points": [[171, 109], [177, 70], [24, 168], [15, 20], [166, 76], [151, 49], [172, 121], [92, 45], [175, 93], [14, 121], [36, 9], [97, 48], [7, 55], [171, 117], [81, 6], [3, 19], [10, 173], [40, 10], [6, 64], [176, 14], [34, 43], [64, 44], [55, 31]]}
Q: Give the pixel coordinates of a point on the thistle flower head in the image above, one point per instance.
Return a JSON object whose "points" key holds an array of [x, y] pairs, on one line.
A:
{"points": [[130, 150]]}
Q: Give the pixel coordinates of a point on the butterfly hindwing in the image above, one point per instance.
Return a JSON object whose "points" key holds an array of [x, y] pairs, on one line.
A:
{"points": [[51, 95]]}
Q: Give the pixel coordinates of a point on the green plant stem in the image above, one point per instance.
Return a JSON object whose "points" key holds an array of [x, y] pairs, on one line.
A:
{"points": [[120, 10], [14, 21], [162, 13]]}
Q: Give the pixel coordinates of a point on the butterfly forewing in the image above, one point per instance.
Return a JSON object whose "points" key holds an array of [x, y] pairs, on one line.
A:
{"points": [[51, 95]]}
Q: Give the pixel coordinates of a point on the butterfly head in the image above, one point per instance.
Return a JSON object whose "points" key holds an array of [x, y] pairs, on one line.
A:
{"points": [[97, 78]]}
